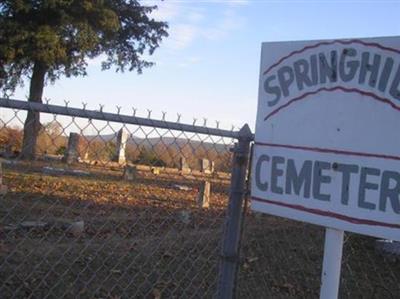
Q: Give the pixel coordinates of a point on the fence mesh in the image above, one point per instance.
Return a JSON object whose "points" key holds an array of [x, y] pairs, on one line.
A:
{"points": [[116, 210], [282, 258], [110, 210]]}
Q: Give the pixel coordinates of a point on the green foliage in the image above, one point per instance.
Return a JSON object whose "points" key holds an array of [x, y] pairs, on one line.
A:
{"points": [[60, 35], [149, 157], [61, 150]]}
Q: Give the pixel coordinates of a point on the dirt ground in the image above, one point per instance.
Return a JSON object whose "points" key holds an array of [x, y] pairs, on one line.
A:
{"points": [[148, 238], [142, 239], [283, 259]]}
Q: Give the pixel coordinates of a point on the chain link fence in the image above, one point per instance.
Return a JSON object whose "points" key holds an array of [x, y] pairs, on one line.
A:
{"points": [[112, 206], [117, 206], [282, 258]]}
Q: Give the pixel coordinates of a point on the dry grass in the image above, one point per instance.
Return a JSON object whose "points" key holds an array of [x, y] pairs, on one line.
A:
{"points": [[147, 239], [137, 239]]}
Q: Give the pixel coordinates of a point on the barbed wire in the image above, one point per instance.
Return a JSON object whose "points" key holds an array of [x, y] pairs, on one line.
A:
{"points": [[118, 205]]}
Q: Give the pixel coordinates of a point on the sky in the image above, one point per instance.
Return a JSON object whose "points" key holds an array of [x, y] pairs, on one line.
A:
{"points": [[208, 67]]}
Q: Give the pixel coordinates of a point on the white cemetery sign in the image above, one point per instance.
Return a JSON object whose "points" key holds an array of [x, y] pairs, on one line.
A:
{"points": [[327, 144]]}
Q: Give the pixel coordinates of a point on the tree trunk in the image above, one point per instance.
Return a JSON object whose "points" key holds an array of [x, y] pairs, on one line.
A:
{"points": [[32, 123]]}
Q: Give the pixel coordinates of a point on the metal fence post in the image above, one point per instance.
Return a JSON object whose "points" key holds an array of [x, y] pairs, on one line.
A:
{"points": [[230, 246]]}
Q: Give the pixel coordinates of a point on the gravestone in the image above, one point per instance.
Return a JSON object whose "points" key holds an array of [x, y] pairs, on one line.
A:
{"points": [[72, 153], [183, 165], [8, 151], [212, 166], [203, 198], [130, 173], [3, 188], [388, 247], [119, 156], [86, 156], [155, 170], [206, 166]]}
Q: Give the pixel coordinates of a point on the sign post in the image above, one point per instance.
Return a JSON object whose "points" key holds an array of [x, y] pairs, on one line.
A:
{"points": [[332, 263], [326, 147]]}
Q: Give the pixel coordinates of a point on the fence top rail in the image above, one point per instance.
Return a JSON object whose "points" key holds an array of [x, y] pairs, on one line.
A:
{"points": [[120, 118]]}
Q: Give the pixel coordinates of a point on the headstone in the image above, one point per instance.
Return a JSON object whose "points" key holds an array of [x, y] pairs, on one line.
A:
{"points": [[155, 170], [184, 216], [203, 198], [181, 187], [72, 153], [130, 173], [33, 224], [388, 247], [76, 228], [3, 188], [122, 137], [206, 166], [212, 166], [8, 151], [183, 165]]}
